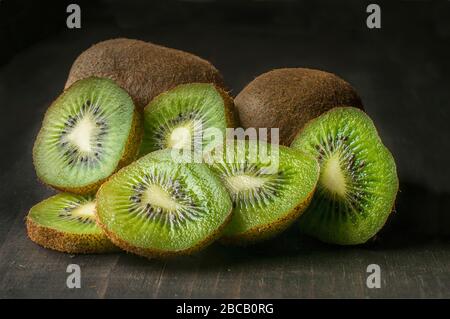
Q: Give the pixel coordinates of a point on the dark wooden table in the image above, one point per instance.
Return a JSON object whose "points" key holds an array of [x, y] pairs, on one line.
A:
{"points": [[401, 72], [289, 267]]}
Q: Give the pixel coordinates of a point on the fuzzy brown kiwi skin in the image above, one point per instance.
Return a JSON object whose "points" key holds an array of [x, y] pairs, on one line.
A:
{"points": [[129, 154], [288, 98], [143, 69], [68, 243], [231, 114], [161, 254], [266, 232], [134, 141]]}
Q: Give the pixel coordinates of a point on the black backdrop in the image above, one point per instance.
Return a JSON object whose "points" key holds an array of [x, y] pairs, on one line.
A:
{"points": [[401, 72]]}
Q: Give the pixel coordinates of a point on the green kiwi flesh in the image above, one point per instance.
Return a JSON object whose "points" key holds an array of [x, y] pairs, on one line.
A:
{"points": [[143, 69], [156, 207], [288, 98], [270, 187], [179, 117], [358, 179], [88, 132], [67, 223]]}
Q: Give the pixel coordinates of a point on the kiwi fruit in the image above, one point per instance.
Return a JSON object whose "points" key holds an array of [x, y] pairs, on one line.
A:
{"points": [[179, 117], [156, 207], [358, 181], [88, 132], [288, 98], [66, 222], [270, 186], [143, 69]]}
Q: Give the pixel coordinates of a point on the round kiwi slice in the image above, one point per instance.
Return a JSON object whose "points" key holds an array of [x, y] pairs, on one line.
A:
{"points": [[270, 187], [288, 98], [179, 117], [88, 132], [66, 222], [157, 208], [143, 69], [358, 179]]}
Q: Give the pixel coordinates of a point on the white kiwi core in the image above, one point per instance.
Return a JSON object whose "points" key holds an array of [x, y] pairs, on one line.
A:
{"points": [[85, 211], [156, 196], [239, 183], [81, 135], [332, 176], [180, 138]]}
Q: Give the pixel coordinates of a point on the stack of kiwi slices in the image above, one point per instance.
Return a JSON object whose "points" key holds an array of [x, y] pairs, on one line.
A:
{"points": [[111, 143], [89, 132], [124, 99]]}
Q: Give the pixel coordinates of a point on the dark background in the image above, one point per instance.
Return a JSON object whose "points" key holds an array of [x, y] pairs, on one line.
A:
{"points": [[401, 72]]}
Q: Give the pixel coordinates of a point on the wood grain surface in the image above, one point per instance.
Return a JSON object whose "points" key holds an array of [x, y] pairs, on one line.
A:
{"points": [[289, 267]]}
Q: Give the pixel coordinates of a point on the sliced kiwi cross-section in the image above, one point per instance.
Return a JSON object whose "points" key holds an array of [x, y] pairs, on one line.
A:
{"points": [[88, 132], [358, 179], [67, 223], [156, 207], [270, 187], [179, 117]]}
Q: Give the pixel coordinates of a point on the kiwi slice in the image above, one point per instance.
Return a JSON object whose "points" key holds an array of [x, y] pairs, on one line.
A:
{"points": [[90, 131], [66, 222], [143, 69], [156, 207], [358, 179], [288, 98], [179, 117], [270, 187]]}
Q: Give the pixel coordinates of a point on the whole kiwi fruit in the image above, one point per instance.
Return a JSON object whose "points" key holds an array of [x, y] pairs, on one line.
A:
{"points": [[143, 69], [288, 98]]}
